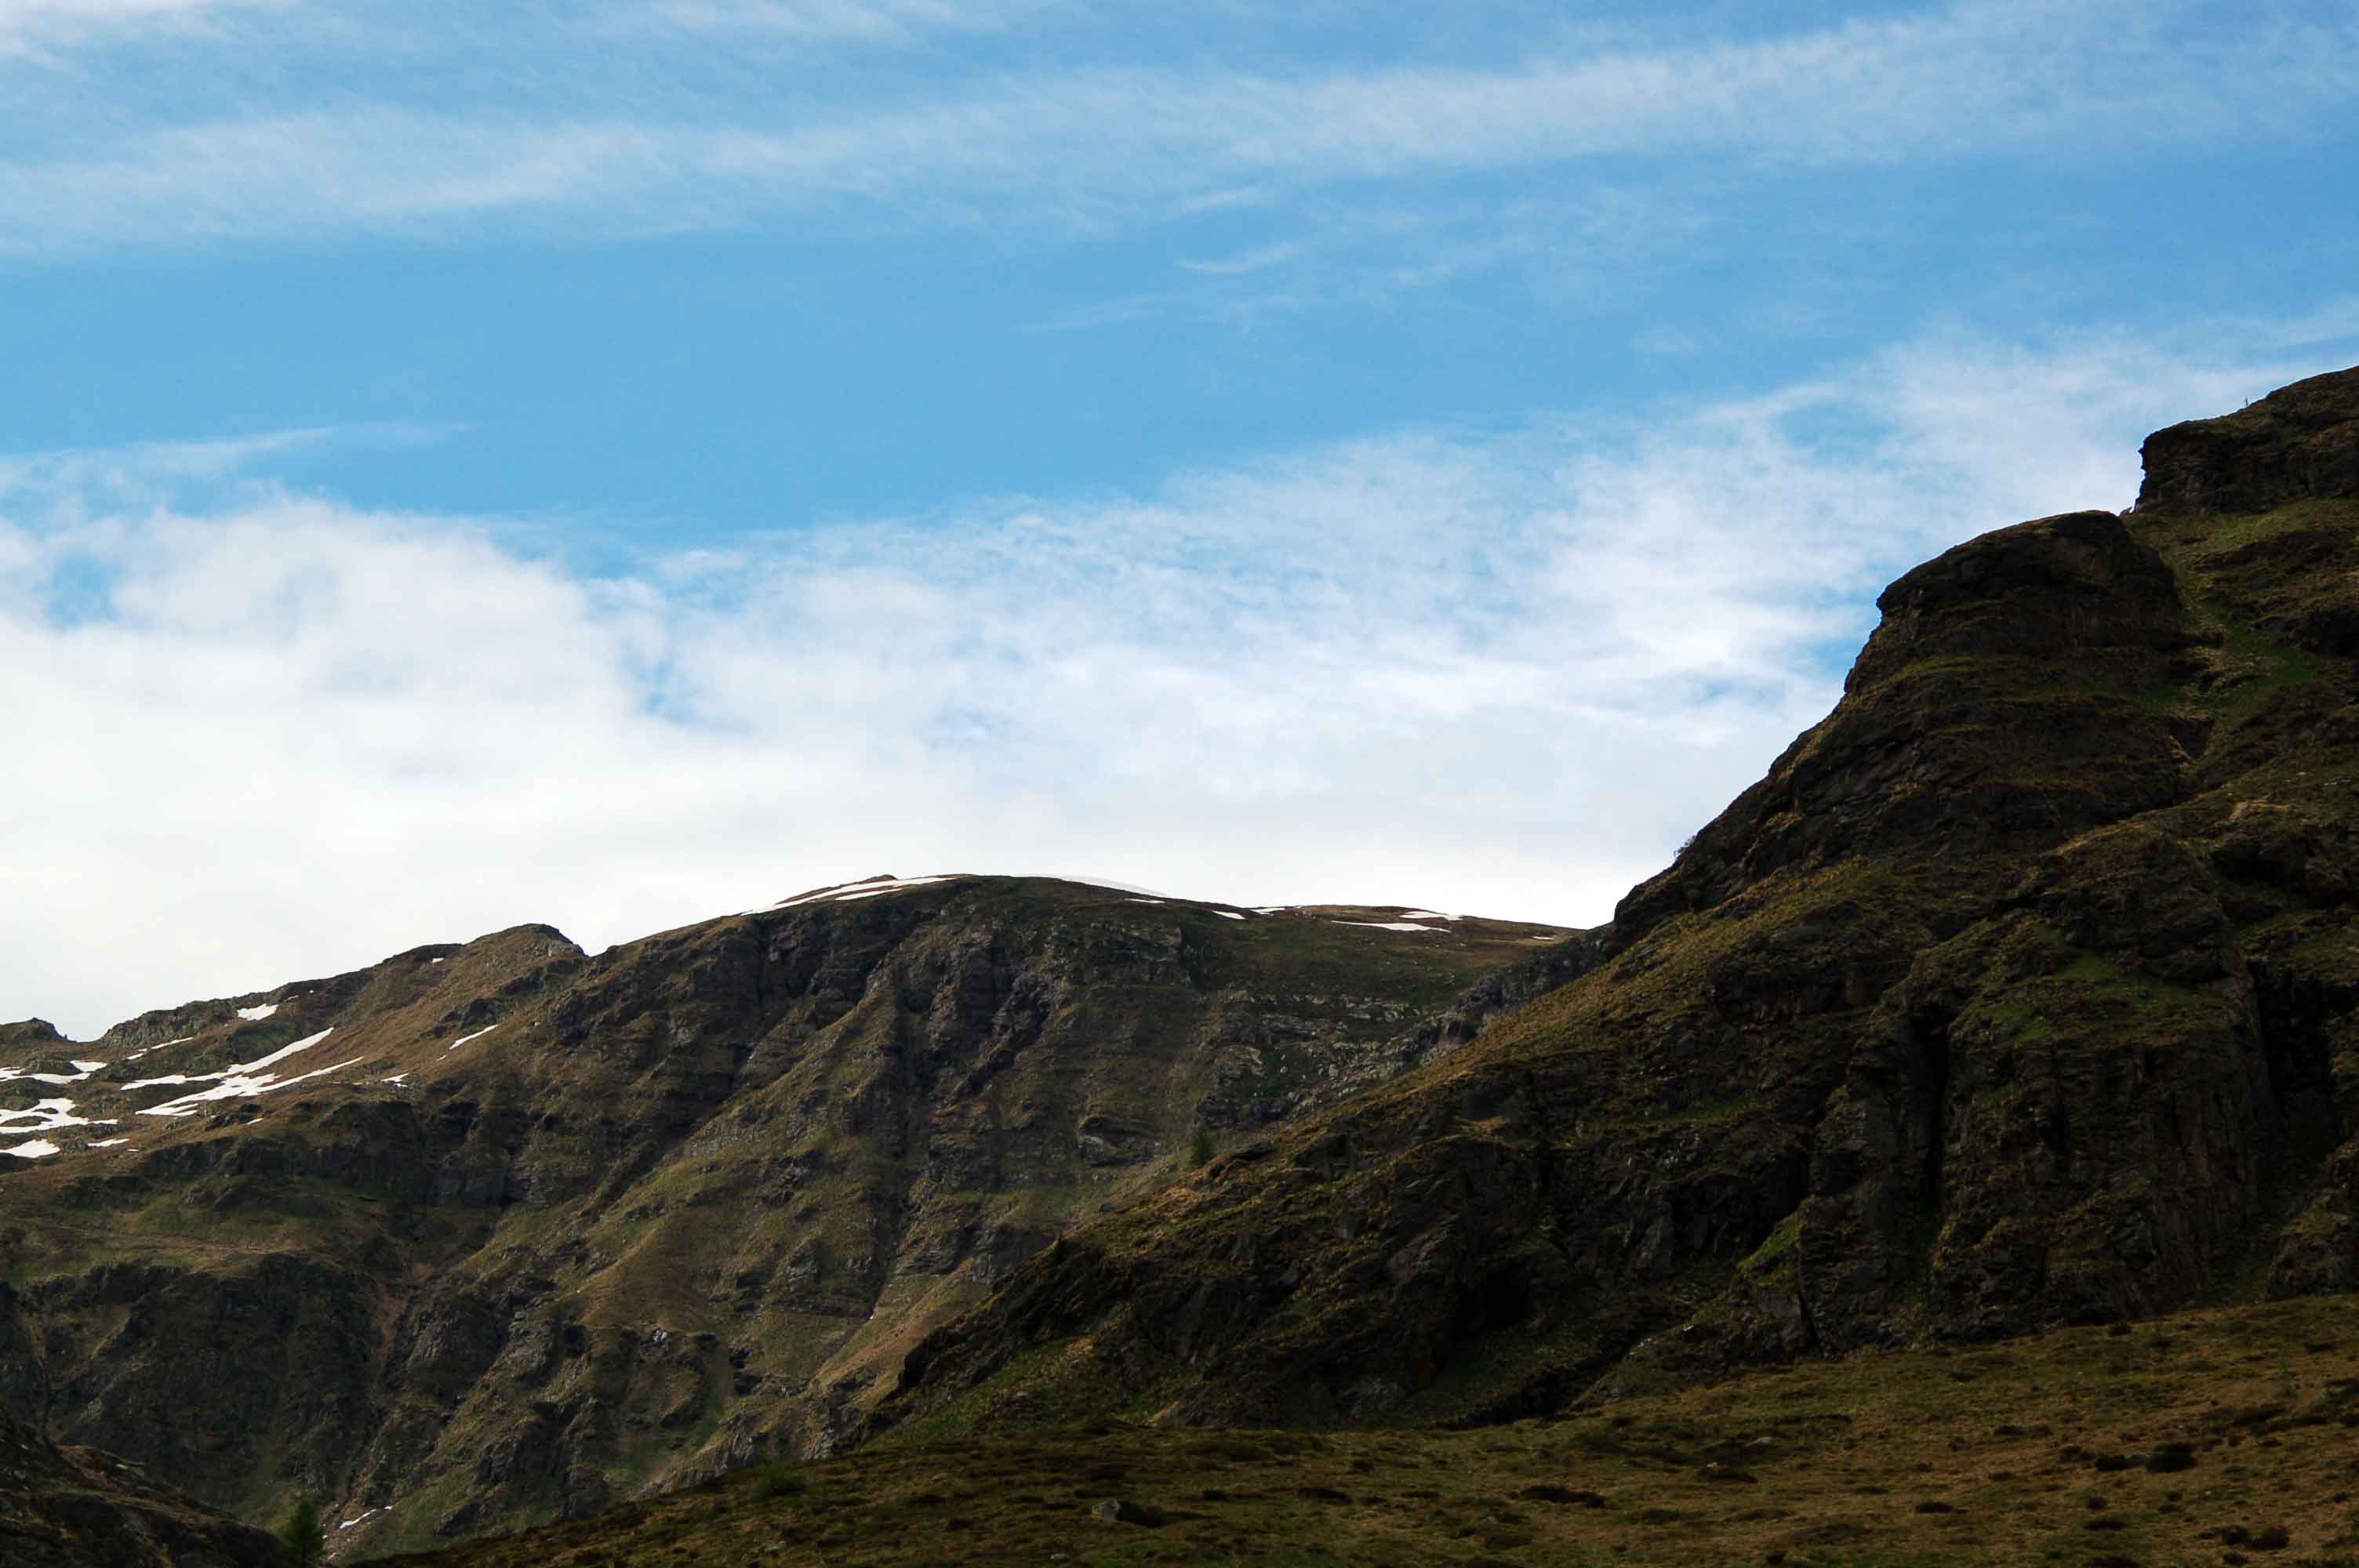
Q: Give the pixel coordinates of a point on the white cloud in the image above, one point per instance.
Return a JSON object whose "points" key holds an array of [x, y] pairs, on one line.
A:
{"points": [[148, 471], [1504, 677], [33, 26], [873, 21], [1254, 260], [1080, 146]]}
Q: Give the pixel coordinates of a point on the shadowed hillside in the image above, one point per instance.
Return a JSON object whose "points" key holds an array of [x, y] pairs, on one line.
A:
{"points": [[2217, 1437], [81, 1508], [494, 1233]]}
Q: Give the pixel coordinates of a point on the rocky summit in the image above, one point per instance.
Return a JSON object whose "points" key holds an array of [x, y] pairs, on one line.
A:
{"points": [[2017, 999]]}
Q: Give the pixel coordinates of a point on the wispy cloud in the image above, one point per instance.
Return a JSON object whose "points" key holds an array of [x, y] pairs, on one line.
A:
{"points": [[1506, 675], [35, 27], [1084, 146], [1254, 260], [152, 471], [871, 21]]}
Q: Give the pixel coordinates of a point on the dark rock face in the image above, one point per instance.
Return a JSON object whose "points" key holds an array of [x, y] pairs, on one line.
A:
{"points": [[275, 1344], [1942, 746], [2020, 991], [2302, 443], [82, 1509], [550, 1229]]}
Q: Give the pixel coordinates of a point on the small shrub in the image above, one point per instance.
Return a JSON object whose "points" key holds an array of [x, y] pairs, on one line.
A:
{"points": [[780, 1480], [302, 1539], [1200, 1147]]}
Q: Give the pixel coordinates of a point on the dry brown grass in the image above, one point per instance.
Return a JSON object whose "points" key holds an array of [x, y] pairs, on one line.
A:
{"points": [[2036, 1451]]}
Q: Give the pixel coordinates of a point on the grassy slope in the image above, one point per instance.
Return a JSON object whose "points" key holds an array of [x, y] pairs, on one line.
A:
{"points": [[2030, 1451]]}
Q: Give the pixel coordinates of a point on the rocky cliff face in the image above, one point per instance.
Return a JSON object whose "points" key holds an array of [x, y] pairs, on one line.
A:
{"points": [[495, 1232], [81, 1508], [2020, 991]]}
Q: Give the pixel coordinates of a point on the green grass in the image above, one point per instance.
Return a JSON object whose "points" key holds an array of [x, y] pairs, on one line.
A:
{"points": [[1983, 1454]]}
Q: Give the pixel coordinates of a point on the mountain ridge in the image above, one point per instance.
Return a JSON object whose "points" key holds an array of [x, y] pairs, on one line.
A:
{"points": [[491, 1231]]}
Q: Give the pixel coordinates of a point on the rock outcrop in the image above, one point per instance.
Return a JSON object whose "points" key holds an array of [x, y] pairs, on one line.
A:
{"points": [[2019, 992], [2299, 445], [82, 1509]]}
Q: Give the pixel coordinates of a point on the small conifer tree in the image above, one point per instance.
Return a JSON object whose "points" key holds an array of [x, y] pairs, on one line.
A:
{"points": [[1200, 1147], [302, 1540]]}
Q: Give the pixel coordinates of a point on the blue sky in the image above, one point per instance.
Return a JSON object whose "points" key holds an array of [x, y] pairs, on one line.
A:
{"points": [[609, 460]]}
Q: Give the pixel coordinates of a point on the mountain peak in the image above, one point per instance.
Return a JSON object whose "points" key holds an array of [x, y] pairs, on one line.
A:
{"points": [[2052, 587], [2301, 442], [33, 1032]]}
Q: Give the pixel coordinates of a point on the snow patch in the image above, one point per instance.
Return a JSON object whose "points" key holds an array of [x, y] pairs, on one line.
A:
{"points": [[235, 1082], [109, 1143], [48, 1116], [240, 1070], [1142, 901], [843, 892], [396, 1078], [37, 1150], [478, 1035], [1388, 926], [1426, 914], [82, 1070], [239, 1087], [256, 1014]]}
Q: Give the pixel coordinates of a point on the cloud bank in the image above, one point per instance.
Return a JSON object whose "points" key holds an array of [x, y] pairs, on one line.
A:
{"points": [[278, 734]]}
